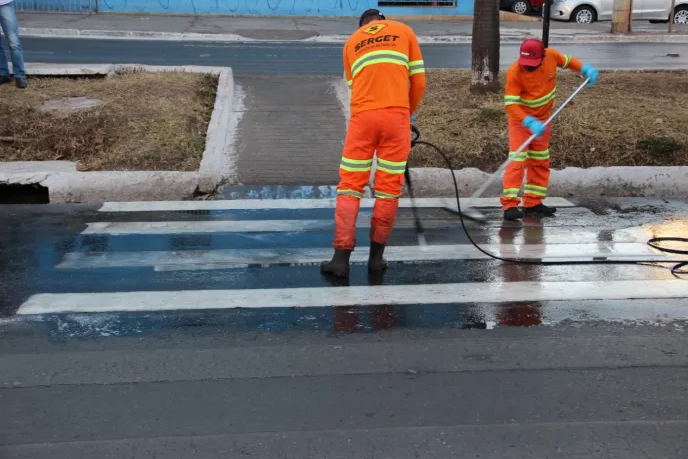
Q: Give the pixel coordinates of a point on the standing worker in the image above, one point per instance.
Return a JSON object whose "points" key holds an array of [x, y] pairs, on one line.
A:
{"points": [[531, 84], [10, 28], [379, 60]]}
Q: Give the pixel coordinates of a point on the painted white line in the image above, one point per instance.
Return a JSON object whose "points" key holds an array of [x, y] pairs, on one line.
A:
{"points": [[216, 226], [199, 267], [477, 292], [296, 256], [257, 204]]}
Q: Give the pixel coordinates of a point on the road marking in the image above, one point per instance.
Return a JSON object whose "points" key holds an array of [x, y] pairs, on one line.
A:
{"points": [[216, 226], [262, 226], [226, 258], [255, 204], [476, 292]]}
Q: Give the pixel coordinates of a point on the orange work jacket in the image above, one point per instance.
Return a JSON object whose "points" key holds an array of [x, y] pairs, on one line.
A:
{"points": [[532, 93], [379, 60]]}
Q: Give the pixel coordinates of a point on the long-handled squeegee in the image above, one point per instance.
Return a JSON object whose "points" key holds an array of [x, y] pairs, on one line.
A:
{"points": [[473, 214]]}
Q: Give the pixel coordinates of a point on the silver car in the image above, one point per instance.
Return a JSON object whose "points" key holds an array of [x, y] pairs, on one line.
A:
{"points": [[589, 11]]}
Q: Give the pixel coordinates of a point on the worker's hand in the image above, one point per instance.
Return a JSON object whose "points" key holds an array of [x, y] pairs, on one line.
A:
{"points": [[413, 118], [588, 71], [535, 126]]}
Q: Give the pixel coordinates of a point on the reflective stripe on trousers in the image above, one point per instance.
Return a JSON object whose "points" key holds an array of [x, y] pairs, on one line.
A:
{"points": [[534, 162], [387, 131]]}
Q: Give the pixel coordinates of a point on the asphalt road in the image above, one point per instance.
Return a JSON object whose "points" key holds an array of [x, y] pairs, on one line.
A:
{"points": [[204, 329], [253, 58]]}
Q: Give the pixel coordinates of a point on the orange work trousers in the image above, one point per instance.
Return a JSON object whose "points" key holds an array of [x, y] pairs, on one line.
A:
{"points": [[387, 131], [533, 160]]}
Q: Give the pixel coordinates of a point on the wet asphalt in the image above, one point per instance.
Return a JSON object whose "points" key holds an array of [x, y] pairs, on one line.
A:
{"points": [[463, 378], [321, 58]]}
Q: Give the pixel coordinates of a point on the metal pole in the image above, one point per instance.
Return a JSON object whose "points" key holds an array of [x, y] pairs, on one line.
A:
{"points": [[525, 144], [671, 16], [546, 9]]}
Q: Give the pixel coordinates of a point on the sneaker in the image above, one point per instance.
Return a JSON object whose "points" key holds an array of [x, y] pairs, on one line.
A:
{"points": [[540, 209], [21, 83], [512, 214], [5, 79]]}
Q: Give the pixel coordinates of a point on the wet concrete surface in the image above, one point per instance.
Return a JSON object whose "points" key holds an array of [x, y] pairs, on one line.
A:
{"points": [[310, 58], [543, 378]]}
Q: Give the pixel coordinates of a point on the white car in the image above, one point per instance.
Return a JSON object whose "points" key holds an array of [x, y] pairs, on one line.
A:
{"points": [[589, 11]]}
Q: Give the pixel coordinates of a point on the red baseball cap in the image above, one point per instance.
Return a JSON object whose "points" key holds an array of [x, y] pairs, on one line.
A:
{"points": [[532, 51]]}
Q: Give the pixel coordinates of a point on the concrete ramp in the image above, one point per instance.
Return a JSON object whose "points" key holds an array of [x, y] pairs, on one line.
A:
{"points": [[292, 132]]}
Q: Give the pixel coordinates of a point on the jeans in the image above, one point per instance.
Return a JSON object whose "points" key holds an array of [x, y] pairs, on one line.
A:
{"points": [[10, 29]]}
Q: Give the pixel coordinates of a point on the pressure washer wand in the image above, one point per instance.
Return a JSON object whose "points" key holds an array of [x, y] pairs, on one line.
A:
{"points": [[525, 144]]}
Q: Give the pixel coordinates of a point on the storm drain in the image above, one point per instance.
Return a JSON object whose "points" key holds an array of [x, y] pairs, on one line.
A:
{"points": [[32, 193]]}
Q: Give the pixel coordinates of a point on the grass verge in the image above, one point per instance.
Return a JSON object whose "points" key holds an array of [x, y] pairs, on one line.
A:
{"points": [[146, 121], [626, 119]]}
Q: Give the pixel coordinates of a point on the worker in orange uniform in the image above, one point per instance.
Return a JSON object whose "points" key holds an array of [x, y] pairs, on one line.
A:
{"points": [[530, 89], [379, 60]]}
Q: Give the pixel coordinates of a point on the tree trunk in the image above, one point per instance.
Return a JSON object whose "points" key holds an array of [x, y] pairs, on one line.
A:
{"points": [[485, 46], [622, 16]]}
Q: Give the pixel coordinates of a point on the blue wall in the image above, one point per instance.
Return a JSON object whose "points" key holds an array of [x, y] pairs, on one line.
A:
{"points": [[246, 7]]}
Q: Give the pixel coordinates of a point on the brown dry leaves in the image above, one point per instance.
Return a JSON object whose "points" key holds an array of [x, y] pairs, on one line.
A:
{"points": [[147, 121], [626, 119]]}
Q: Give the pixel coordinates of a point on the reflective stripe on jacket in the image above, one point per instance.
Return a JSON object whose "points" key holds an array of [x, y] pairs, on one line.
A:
{"points": [[379, 60], [533, 93]]}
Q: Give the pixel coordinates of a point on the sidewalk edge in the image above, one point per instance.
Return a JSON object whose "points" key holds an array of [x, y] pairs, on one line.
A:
{"points": [[571, 182], [74, 186], [317, 38]]}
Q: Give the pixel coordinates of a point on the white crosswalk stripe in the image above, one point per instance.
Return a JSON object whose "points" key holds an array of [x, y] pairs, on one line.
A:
{"points": [[631, 246], [255, 204], [225, 258], [477, 292]]}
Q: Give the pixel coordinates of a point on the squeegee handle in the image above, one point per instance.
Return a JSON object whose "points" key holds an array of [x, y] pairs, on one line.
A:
{"points": [[525, 144]]}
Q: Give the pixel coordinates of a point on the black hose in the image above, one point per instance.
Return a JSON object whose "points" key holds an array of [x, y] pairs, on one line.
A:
{"points": [[652, 242]]}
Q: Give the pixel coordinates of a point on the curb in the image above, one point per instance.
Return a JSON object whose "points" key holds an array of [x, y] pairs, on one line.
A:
{"points": [[217, 163], [317, 38], [596, 182], [618, 181], [98, 186], [66, 185]]}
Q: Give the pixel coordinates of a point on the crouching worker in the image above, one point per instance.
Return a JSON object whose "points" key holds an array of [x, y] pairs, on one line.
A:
{"points": [[530, 89], [379, 60]]}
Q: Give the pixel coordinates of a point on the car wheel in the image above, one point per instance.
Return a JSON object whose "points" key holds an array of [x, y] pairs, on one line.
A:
{"points": [[520, 6], [583, 15], [681, 15]]}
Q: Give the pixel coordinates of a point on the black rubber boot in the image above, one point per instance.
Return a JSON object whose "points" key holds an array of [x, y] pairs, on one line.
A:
{"points": [[4, 79], [339, 265], [540, 209], [376, 262], [21, 83], [513, 214]]}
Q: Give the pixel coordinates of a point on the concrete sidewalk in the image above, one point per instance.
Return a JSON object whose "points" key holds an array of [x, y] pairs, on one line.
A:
{"points": [[216, 28]]}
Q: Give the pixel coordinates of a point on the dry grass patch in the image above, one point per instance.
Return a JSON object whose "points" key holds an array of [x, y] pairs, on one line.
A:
{"points": [[627, 119], [147, 121]]}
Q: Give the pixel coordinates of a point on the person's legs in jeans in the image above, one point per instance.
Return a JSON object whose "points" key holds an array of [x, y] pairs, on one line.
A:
{"points": [[10, 29], [4, 68]]}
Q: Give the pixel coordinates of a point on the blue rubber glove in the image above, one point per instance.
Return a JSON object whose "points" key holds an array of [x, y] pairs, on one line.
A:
{"points": [[535, 126], [413, 118], [588, 71]]}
